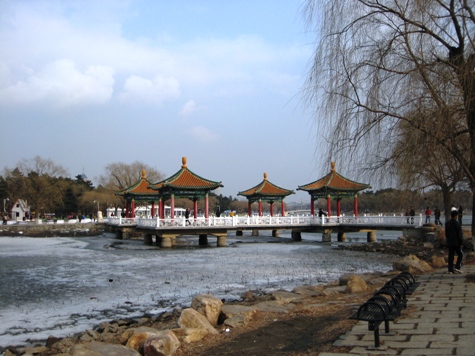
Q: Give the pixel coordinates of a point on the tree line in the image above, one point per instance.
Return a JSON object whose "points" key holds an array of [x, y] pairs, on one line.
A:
{"points": [[48, 190]]}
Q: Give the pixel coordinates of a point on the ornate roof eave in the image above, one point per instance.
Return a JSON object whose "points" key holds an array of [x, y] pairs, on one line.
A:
{"points": [[266, 191], [138, 190], [325, 185], [181, 180]]}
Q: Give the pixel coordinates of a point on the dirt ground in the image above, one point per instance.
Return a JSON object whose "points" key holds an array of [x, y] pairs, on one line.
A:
{"points": [[302, 332]]}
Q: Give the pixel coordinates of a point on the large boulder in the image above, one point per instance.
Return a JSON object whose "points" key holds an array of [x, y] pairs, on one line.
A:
{"points": [[356, 284], [412, 265], [100, 349], [438, 262], [190, 318], [209, 306], [236, 315], [188, 335], [163, 344], [135, 338]]}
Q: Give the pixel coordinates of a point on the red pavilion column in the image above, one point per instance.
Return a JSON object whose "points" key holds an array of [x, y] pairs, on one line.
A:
{"points": [[153, 209], [133, 208], [329, 206], [127, 209], [271, 208], [249, 208], [172, 207], [206, 206], [195, 208], [338, 207], [260, 207], [282, 207], [312, 206], [162, 209], [355, 205]]}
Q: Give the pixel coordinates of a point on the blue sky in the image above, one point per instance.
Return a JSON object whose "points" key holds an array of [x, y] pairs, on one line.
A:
{"points": [[88, 83]]}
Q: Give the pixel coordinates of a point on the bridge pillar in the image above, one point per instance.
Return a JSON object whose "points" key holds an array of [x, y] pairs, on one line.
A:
{"points": [[341, 237], [255, 232], [275, 233], [147, 239], [203, 240], [238, 232], [118, 234], [327, 236], [166, 241], [221, 242], [371, 236], [126, 233], [296, 235]]}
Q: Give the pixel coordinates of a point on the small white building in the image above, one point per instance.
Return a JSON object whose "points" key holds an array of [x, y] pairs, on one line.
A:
{"points": [[21, 210]]}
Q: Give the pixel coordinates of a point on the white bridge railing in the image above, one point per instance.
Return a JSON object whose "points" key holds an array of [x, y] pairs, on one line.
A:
{"points": [[292, 220]]}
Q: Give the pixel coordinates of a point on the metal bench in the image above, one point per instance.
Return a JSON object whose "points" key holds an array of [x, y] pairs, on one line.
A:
{"points": [[385, 305]]}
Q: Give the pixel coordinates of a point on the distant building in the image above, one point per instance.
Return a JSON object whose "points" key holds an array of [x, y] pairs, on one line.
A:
{"points": [[21, 210]]}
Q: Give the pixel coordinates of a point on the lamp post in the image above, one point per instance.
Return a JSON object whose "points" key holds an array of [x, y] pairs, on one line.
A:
{"points": [[4, 201], [99, 214]]}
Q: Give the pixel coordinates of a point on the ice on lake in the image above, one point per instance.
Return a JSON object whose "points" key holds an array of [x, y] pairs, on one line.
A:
{"points": [[60, 286]]}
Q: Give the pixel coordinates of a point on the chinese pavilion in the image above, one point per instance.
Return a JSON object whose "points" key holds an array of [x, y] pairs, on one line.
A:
{"points": [[140, 191], [333, 185], [184, 184], [268, 192]]}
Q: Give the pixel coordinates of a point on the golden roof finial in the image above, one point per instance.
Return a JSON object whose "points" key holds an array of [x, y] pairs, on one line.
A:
{"points": [[333, 166], [183, 162], [144, 174], [265, 176]]}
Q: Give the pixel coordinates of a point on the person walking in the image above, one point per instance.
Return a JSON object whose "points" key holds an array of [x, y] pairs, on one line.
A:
{"points": [[454, 235], [428, 213], [187, 216]]}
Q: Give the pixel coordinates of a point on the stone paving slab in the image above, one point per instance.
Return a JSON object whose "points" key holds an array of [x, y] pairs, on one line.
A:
{"points": [[440, 320]]}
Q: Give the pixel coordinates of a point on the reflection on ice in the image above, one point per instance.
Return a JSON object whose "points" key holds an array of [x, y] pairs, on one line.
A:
{"points": [[58, 286]]}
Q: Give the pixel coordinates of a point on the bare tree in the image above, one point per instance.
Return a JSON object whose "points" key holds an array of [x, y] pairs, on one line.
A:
{"points": [[379, 61], [121, 175]]}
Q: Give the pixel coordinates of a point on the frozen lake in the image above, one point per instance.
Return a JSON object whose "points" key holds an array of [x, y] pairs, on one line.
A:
{"points": [[59, 286]]}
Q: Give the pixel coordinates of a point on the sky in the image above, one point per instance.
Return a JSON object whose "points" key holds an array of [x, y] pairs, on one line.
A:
{"points": [[90, 83]]}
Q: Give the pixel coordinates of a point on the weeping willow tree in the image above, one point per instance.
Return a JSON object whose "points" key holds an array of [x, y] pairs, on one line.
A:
{"points": [[377, 62]]}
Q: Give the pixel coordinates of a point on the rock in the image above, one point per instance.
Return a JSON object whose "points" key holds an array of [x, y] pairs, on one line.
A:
{"points": [[438, 262], [274, 307], [334, 290], [309, 291], [52, 340], [209, 306], [89, 335], [236, 321], [187, 335], [245, 314], [284, 297], [135, 337], [163, 344], [356, 284], [248, 296], [101, 349], [412, 265], [190, 318]]}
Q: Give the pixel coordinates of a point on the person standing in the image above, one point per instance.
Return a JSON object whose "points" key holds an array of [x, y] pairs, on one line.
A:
{"points": [[187, 216], [460, 214], [412, 213], [437, 216], [454, 235]]}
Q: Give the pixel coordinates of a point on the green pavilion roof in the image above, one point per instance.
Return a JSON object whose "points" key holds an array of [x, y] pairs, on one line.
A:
{"points": [[333, 184], [265, 191]]}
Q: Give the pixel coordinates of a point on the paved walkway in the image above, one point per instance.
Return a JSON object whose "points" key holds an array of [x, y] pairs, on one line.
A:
{"points": [[440, 320]]}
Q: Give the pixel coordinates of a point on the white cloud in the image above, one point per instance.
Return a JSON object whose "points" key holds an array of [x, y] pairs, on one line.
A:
{"points": [[153, 91], [60, 83], [203, 134], [190, 108]]}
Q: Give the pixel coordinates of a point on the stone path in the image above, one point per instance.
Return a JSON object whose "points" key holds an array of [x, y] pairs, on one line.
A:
{"points": [[440, 320]]}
